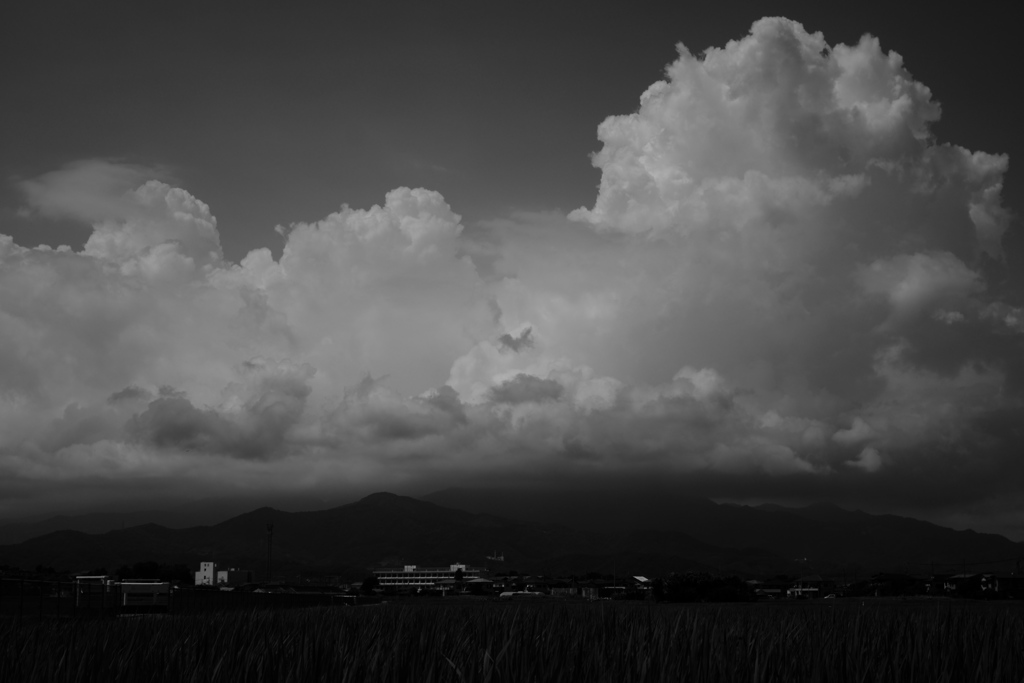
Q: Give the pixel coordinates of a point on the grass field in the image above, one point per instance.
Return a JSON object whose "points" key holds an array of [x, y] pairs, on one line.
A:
{"points": [[929, 641]]}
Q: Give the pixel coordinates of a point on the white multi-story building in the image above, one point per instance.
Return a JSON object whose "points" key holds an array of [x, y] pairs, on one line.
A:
{"points": [[423, 577], [207, 574]]}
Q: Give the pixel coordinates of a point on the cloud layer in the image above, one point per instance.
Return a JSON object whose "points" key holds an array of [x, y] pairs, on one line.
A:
{"points": [[784, 283]]}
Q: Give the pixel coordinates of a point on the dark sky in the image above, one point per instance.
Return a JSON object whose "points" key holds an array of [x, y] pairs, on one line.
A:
{"points": [[791, 271], [274, 115]]}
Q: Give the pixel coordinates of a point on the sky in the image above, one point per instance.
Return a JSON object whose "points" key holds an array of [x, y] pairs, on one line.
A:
{"points": [[319, 251]]}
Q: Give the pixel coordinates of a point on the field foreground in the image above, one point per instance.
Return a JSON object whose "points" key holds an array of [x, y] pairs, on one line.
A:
{"points": [[837, 641]]}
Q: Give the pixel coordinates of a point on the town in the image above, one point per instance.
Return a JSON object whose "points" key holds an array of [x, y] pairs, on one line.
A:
{"points": [[140, 588]]}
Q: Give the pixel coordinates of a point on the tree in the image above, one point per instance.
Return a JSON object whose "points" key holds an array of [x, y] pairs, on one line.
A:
{"points": [[369, 584]]}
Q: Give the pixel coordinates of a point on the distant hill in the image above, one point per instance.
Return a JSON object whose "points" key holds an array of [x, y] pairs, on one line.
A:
{"points": [[195, 513], [822, 538], [383, 530], [93, 523], [553, 534]]}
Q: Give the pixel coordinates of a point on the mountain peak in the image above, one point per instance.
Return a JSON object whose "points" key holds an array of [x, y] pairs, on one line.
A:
{"points": [[381, 498], [393, 501], [380, 495]]}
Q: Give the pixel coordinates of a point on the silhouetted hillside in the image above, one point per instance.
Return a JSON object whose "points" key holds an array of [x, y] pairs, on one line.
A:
{"points": [[380, 530], [194, 513], [560, 534], [819, 538]]}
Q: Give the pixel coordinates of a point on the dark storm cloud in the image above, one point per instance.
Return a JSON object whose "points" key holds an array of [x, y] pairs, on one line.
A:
{"points": [[174, 422], [517, 343], [269, 403], [526, 389], [129, 393]]}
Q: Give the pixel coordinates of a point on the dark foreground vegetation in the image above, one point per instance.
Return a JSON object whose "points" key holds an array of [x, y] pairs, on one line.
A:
{"points": [[929, 641]]}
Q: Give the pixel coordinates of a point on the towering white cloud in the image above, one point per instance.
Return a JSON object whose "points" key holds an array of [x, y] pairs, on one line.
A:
{"points": [[776, 213], [783, 275]]}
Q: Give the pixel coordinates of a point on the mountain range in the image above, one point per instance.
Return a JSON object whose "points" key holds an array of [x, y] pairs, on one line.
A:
{"points": [[822, 536], [551, 533]]}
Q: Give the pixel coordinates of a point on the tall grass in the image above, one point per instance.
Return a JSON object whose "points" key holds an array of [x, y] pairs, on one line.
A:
{"points": [[549, 642]]}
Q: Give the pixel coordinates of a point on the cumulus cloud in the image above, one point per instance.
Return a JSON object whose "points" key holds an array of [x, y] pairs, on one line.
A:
{"points": [[868, 460], [784, 276], [916, 282], [137, 221], [858, 432], [778, 215], [1011, 317], [256, 352]]}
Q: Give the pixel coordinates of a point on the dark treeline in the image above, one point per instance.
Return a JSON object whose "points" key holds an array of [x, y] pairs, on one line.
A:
{"points": [[149, 569], [154, 570], [701, 587]]}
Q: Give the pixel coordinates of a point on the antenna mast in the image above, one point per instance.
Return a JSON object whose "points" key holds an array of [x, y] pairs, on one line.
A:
{"points": [[270, 545]]}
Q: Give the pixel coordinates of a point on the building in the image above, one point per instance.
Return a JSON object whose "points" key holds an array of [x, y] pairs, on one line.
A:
{"points": [[145, 596], [1010, 586], [812, 586], [480, 586], [962, 583], [94, 591], [771, 589], [412, 576], [235, 577], [207, 574]]}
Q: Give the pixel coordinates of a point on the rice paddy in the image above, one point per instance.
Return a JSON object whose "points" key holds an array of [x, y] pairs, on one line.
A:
{"points": [[930, 641]]}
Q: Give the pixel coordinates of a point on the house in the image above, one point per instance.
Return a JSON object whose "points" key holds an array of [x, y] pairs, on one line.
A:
{"points": [[811, 586], [539, 584], [502, 583], [1009, 586], [639, 588], [889, 584], [962, 584], [771, 589], [588, 589]]}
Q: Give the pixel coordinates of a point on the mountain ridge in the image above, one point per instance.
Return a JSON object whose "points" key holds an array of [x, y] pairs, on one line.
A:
{"points": [[379, 530], [828, 534], [386, 529]]}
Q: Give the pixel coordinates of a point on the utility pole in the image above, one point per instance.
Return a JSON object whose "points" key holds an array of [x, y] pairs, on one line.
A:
{"points": [[270, 545]]}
